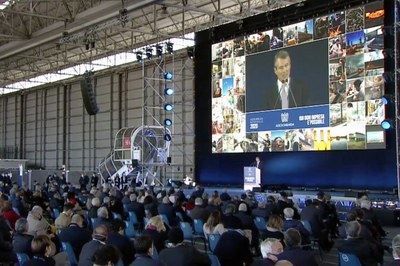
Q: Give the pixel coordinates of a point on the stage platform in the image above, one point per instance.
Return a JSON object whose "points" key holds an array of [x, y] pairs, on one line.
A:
{"points": [[385, 203]]}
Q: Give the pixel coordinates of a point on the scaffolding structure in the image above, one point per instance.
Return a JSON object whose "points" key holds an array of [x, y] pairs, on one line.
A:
{"points": [[161, 92]]}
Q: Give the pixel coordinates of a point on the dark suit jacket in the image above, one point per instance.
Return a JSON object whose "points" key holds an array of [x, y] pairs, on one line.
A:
{"points": [[199, 213], [76, 236], [124, 245], [298, 257], [184, 256], [393, 263], [22, 243], [314, 216], [137, 208], [298, 95], [169, 211], [366, 253], [144, 260], [88, 250], [263, 262]]}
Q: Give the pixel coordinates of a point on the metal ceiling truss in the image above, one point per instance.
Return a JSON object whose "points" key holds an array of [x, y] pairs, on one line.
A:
{"points": [[46, 49]]}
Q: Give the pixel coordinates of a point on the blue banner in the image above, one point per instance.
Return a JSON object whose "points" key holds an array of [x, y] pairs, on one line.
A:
{"points": [[295, 118]]}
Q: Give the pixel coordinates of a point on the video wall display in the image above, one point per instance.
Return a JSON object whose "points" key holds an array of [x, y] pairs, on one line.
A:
{"points": [[313, 85]]}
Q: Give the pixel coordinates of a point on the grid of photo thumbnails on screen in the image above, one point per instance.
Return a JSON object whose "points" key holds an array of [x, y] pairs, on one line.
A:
{"points": [[351, 92]]}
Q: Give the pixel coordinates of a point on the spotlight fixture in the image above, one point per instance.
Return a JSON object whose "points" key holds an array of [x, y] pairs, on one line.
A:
{"points": [[149, 53], [168, 75], [159, 50], [167, 137], [139, 56], [167, 122], [168, 107], [190, 52], [169, 91], [387, 124], [387, 98], [170, 47]]}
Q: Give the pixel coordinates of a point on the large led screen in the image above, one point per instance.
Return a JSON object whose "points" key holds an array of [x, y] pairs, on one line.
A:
{"points": [[313, 85]]}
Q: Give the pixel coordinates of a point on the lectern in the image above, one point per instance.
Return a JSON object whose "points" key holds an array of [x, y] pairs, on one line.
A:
{"points": [[251, 177]]}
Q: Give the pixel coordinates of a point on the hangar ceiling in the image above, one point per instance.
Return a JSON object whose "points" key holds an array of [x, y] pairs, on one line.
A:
{"points": [[39, 37]]}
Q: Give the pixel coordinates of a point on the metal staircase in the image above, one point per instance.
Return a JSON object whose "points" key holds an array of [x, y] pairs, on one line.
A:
{"points": [[137, 152]]}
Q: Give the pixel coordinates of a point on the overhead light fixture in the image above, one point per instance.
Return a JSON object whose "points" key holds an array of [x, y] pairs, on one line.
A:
{"points": [[387, 124], [149, 53], [168, 107], [159, 50], [167, 137], [190, 52], [168, 75], [139, 56], [169, 47], [169, 91], [167, 122]]}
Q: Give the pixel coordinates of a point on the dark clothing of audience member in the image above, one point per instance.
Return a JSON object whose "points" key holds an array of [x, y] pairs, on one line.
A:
{"points": [[76, 236], [293, 251], [88, 250], [6, 248], [145, 260], [261, 211], [181, 254], [40, 261], [199, 212], [233, 249], [167, 209], [124, 245], [22, 243], [225, 196], [137, 208]]}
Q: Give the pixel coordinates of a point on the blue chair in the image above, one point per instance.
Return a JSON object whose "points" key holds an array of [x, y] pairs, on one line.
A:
{"points": [[56, 212], [16, 211], [348, 260], [180, 216], [22, 258], [94, 222], [307, 225], [116, 216], [154, 255], [198, 231], [165, 219], [70, 253], [133, 218], [187, 231], [130, 230], [213, 241], [260, 223], [214, 260]]}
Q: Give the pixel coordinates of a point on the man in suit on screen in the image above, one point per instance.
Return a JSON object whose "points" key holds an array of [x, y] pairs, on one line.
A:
{"points": [[287, 92]]}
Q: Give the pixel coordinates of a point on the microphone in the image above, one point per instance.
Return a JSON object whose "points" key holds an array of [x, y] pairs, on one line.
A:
{"points": [[294, 100]]}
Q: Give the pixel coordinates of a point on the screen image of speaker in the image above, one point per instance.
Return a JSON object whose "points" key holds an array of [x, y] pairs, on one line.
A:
{"points": [[88, 95]]}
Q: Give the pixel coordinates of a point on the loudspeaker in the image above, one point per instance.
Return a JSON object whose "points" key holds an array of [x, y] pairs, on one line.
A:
{"points": [[88, 95]]}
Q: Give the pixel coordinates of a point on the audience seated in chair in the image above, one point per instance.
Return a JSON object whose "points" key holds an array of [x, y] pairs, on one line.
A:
{"points": [[270, 248], [107, 255], [179, 253], [289, 222], [274, 228], [366, 252], [214, 224], [395, 252], [99, 239], [143, 248], [293, 251], [22, 240]]}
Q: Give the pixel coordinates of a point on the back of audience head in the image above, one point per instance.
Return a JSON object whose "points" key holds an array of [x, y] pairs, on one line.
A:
{"points": [[100, 233], [292, 238], [229, 209], [275, 221], [96, 202], [132, 197], [308, 202], [396, 247], [143, 244], [77, 219], [351, 216], [288, 212], [21, 226], [271, 199], [271, 246], [198, 202], [214, 219], [156, 223], [353, 229], [102, 212], [118, 225], [41, 246], [106, 255], [242, 207]]}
